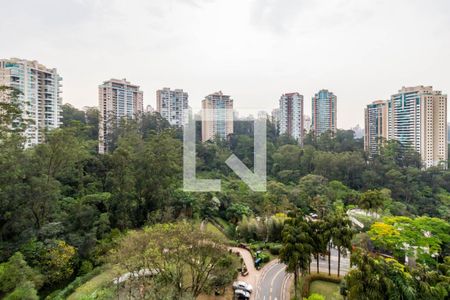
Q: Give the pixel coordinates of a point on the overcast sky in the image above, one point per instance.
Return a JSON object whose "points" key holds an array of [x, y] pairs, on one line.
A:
{"points": [[254, 50]]}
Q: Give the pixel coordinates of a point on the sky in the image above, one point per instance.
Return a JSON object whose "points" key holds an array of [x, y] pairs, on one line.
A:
{"points": [[253, 50]]}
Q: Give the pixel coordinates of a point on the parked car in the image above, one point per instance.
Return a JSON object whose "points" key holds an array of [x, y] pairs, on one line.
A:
{"points": [[241, 285], [241, 294]]}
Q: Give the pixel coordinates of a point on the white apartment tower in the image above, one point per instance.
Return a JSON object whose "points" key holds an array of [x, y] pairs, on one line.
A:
{"points": [[291, 121], [40, 99], [118, 99], [217, 116], [172, 105], [417, 117]]}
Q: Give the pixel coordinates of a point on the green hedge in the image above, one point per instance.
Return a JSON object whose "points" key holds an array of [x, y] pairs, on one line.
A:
{"points": [[307, 280], [69, 289]]}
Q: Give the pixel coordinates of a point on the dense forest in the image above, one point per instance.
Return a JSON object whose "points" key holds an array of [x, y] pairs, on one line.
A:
{"points": [[61, 199]]}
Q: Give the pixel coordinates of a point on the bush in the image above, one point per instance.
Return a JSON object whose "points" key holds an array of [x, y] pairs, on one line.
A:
{"points": [[315, 297], [275, 249], [312, 277], [86, 267], [264, 257], [69, 289]]}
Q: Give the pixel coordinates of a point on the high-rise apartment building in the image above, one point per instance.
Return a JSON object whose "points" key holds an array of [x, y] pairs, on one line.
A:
{"points": [[417, 117], [307, 122], [117, 99], [172, 105], [324, 112], [376, 115], [217, 116], [40, 99], [291, 116], [275, 118]]}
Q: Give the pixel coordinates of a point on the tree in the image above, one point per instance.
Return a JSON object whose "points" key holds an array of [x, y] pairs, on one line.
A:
{"points": [[57, 261], [180, 256], [16, 272], [25, 291], [320, 240], [341, 235], [11, 116], [296, 247], [421, 237], [372, 200], [374, 277]]}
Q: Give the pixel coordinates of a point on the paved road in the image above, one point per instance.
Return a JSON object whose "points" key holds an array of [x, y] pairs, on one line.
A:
{"points": [[323, 264], [274, 282]]}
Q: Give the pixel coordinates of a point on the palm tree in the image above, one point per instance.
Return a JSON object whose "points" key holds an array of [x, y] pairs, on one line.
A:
{"points": [[376, 278], [320, 239], [297, 247], [327, 226], [363, 282], [341, 235]]}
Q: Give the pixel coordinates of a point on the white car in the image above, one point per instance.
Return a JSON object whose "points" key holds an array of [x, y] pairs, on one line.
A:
{"points": [[241, 294], [241, 285]]}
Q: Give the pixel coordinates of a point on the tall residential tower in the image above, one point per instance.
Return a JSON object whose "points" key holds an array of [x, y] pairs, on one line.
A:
{"points": [[117, 99], [376, 115], [40, 99], [172, 104], [324, 112], [217, 116], [291, 120], [417, 117]]}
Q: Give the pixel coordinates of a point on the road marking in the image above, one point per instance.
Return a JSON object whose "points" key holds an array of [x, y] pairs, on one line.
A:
{"points": [[273, 280]]}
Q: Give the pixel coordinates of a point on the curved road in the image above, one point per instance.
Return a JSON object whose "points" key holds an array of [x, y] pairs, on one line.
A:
{"points": [[272, 284]]}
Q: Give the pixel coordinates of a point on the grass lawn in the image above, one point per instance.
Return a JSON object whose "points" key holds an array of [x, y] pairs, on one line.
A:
{"points": [[327, 289]]}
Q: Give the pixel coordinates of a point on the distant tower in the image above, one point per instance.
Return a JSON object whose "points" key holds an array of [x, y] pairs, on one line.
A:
{"points": [[291, 116], [117, 99], [375, 129], [217, 116], [40, 100], [172, 104], [324, 112]]}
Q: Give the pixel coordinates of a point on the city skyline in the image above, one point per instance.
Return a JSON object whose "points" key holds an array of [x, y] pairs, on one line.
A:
{"points": [[171, 43]]}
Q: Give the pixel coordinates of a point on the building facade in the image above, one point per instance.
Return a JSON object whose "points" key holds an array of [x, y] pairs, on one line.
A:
{"points": [[417, 117], [375, 129], [217, 116], [307, 122], [324, 112], [172, 105], [275, 118], [40, 99], [118, 99], [291, 120]]}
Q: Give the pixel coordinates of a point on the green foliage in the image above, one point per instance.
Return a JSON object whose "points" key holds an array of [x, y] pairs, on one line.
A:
{"points": [[375, 277], [182, 257], [15, 273], [63, 191], [421, 237], [297, 247], [315, 297], [25, 291]]}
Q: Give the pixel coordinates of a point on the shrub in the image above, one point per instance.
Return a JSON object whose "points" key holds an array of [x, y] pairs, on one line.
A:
{"points": [[264, 257], [313, 277], [86, 267], [275, 249]]}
